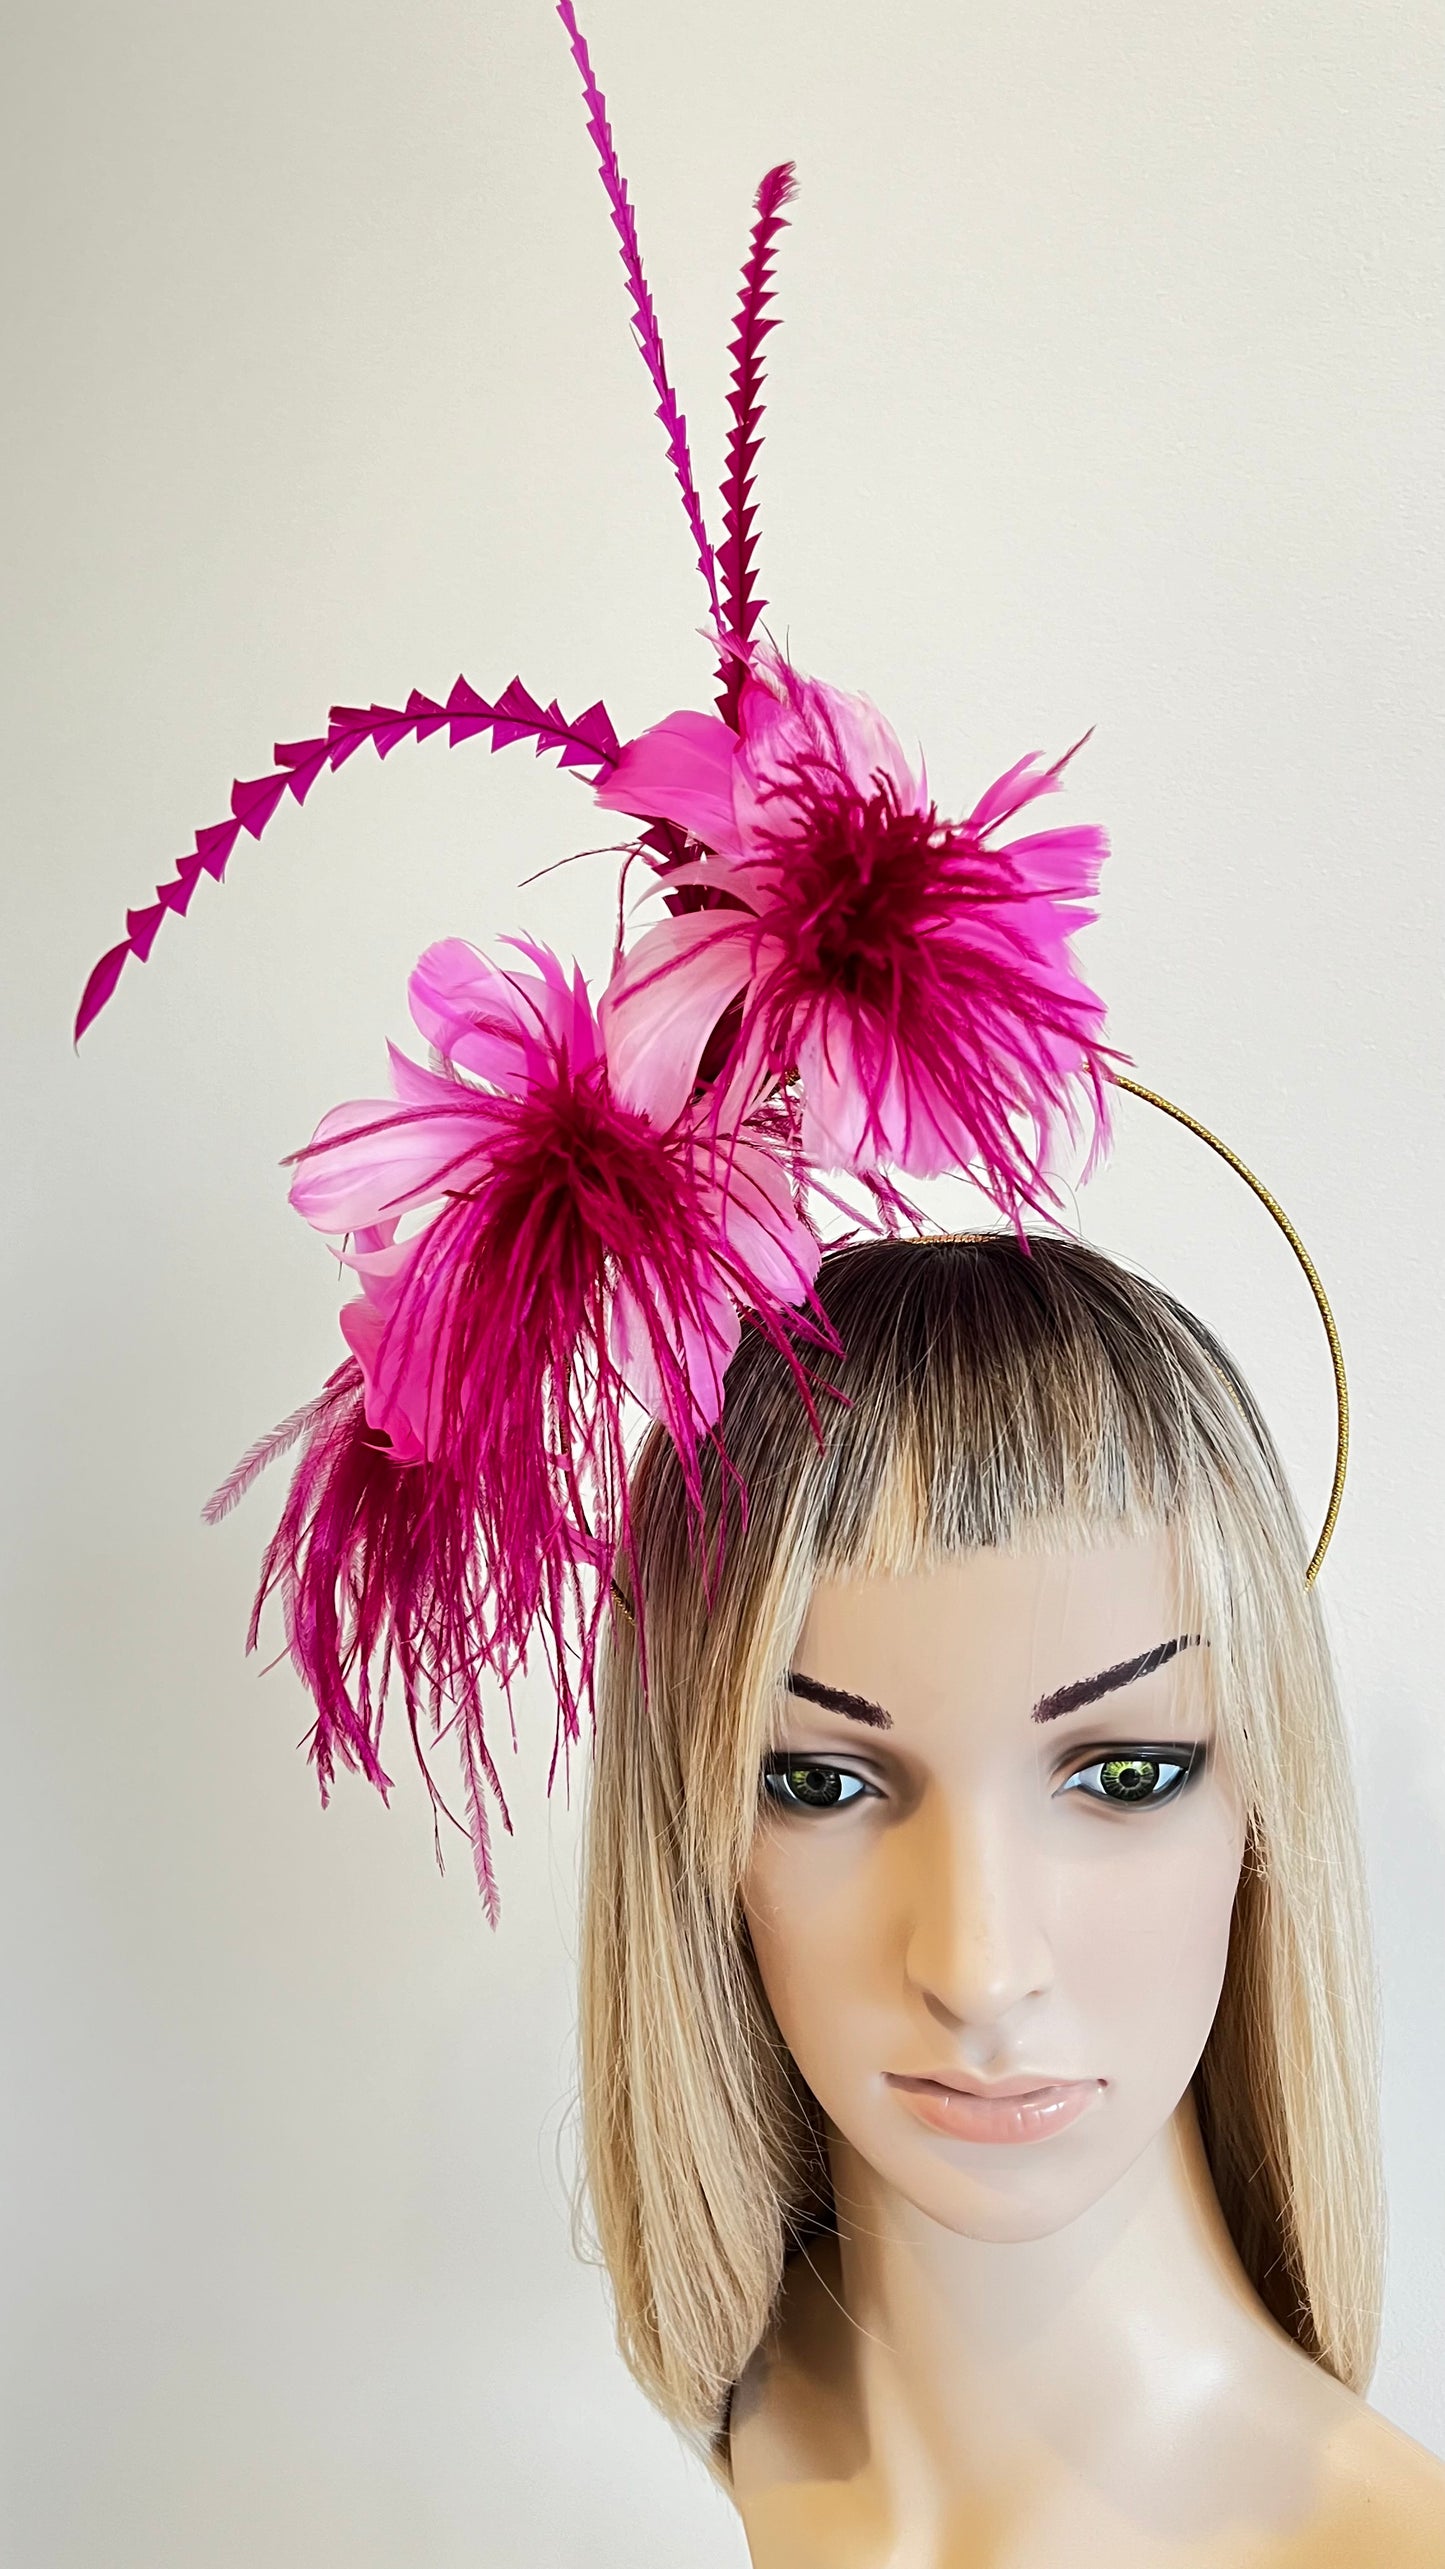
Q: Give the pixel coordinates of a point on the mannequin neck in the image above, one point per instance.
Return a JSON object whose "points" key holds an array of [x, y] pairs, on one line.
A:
{"points": [[1118, 2374], [967, 2350]]}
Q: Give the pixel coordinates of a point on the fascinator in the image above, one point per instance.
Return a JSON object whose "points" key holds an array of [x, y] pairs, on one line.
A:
{"points": [[559, 1222]]}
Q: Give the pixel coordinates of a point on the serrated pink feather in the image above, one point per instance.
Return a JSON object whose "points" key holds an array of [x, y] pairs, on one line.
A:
{"points": [[649, 337], [751, 326], [588, 743]]}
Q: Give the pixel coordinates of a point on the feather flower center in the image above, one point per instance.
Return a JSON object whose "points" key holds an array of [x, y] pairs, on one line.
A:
{"points": [[862, 883], [574, 1169]]}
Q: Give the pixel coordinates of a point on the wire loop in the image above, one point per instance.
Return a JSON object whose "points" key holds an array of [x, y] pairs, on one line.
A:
{"points": [[1277, 1212]]}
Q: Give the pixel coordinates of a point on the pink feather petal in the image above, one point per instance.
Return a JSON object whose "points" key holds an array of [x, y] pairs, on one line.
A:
{"points": [[1020, 785], [1063, 864], [680, 770], [394, 1371], [660, 1007], [706, 1340], [367, 1162], [761, 1227], [793, 730], [467, 1008]]}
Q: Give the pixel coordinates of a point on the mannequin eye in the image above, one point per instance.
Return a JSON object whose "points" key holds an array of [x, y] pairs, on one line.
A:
{"points": [[1137, 1778], [808, 1784]]}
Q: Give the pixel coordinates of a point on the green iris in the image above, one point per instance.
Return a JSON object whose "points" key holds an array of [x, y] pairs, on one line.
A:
{"points": [[821, 1787], [1129, 1779]]}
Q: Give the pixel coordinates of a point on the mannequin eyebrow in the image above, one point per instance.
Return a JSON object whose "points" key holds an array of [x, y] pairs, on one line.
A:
{"points": [[1087, 1690], [836, 1699], [1066, 1699]]}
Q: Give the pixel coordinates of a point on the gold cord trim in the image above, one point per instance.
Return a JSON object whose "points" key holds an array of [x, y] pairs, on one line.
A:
{"points": [[1232, 1160]]}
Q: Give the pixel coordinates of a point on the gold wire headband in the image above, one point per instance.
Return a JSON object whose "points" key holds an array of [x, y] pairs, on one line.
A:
{"points": [[1232, 1160], [1277, 1212]]}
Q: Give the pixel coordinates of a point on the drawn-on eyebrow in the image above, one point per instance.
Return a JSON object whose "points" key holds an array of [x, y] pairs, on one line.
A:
{"points": [[836, 1699], [1087, 1690], [1067, 1699]]}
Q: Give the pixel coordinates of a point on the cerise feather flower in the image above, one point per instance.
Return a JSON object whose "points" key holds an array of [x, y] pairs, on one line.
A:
{"points": [[463, 1483], [912, 972], [572, 1208]]}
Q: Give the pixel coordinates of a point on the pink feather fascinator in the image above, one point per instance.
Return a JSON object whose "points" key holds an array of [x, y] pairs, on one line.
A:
{"points": [[558, 1220]]}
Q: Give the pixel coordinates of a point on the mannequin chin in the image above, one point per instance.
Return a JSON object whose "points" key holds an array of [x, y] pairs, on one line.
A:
{"points": [[986, 1898]]}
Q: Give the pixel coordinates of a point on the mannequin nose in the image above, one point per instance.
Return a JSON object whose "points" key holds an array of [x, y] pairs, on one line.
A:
{"points": [[976, 1941]]}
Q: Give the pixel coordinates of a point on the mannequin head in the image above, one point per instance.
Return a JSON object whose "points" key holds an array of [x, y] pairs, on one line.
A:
{"points": [[979, 1890], [1043, 1469]]}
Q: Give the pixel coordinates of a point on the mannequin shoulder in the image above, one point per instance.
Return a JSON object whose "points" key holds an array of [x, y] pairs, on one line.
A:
{"points": [[1363, 2494], [1388, 2498]]}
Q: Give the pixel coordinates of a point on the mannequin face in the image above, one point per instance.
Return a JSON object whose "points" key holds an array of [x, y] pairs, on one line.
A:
{"points": [[978, 1892]]}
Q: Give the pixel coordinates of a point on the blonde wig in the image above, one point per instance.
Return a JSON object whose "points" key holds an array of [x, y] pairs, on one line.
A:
{"points": [[993, 1397]]}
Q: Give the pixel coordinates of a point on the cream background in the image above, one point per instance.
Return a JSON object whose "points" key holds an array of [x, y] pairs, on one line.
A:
{"points": [[1105, 395]]}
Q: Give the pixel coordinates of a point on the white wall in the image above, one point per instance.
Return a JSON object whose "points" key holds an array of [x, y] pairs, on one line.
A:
{"points": [[1104, 396]]}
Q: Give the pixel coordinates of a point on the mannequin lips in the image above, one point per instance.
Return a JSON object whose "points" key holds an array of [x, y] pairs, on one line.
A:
{"points": [[1010, 2109]]}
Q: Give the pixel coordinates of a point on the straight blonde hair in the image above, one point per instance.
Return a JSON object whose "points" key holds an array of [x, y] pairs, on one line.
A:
{"points": [[991, 1396]]}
